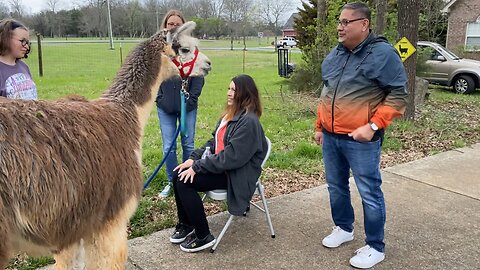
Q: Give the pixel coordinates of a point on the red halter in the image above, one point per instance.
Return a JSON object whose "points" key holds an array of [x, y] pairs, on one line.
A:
{"points": [[181, 66]]}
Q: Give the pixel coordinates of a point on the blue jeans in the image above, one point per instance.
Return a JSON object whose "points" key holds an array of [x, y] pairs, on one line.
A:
{"points": [[341, 154], [168, 128]]}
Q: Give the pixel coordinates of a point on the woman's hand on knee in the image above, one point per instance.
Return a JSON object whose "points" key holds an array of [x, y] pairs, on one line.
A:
{"points": [[185, 165], [187, 175]]}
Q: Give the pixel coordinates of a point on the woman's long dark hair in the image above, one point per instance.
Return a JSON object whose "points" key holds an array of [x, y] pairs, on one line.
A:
{"points": [[246, 97]]}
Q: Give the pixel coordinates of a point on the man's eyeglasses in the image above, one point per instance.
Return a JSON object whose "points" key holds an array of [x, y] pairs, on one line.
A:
{"points": [[346, 22], [25, 42]]}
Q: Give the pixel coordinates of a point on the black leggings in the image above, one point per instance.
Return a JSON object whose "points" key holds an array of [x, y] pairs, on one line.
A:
{"points": [[189, 204]]}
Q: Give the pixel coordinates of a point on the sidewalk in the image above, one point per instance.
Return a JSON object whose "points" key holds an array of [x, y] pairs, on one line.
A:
{"points": [[433, 222]]}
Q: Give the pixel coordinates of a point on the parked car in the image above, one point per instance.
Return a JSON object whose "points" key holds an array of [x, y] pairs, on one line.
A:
{"points": [[445, 68], [287, 41]]}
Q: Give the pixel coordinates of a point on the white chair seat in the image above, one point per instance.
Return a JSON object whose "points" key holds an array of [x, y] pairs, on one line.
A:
{"points": [[217, 194]]}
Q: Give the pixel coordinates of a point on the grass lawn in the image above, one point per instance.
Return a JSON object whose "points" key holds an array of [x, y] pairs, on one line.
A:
{"points": [[288, 120]]}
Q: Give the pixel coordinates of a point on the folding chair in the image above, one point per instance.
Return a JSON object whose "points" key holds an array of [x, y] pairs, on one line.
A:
{"points": [[221, 195]]}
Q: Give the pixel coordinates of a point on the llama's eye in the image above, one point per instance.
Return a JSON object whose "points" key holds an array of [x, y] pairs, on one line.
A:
{"points": [[185, 50]]}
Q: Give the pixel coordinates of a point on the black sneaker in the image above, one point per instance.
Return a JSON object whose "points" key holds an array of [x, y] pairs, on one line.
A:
{"points": [[196, 244], [180, 234]]}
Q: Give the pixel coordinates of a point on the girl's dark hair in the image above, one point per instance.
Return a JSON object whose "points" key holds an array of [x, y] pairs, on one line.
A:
{"points": [[246, 97], [6, 32], [170, 13]]}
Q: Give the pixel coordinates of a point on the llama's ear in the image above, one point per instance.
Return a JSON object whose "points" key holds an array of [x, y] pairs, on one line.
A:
{"points": [[185, 29]]}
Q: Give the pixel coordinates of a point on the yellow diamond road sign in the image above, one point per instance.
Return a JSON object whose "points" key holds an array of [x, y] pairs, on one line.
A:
{"points": [[404, 48]]}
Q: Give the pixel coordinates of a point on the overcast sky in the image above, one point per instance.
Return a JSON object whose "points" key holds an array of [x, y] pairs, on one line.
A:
{"points": [[34, 6]]}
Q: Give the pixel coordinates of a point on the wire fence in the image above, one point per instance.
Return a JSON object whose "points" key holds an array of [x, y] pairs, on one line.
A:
{"points": [[53, 57], [90, 58]]}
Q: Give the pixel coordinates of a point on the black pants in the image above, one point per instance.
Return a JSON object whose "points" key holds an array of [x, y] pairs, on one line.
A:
{"points": [[189, 204]]}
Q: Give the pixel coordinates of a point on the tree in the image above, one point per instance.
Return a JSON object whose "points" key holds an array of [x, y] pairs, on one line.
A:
{"points": [[408, 14], [4, 10], [94, 19], [53, 5], [17, 9], [271, 10], [233, 16], [316, 34], [432, 22], [307, 18], [381, 19]]}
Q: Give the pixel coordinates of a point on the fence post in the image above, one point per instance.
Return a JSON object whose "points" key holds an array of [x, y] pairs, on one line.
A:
{"points": [[40, 61]]}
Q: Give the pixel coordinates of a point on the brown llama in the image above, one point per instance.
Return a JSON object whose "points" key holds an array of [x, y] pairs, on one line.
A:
{"points": [[71, 169]]}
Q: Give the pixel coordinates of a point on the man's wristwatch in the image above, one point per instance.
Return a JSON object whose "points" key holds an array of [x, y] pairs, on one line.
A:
{"points": [[373, 126]]}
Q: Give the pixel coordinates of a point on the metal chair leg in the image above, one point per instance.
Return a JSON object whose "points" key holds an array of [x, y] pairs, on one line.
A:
{"points": [[265, 207], [220, 236]]}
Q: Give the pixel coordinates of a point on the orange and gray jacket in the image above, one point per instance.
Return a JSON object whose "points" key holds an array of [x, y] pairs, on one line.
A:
{"points": [[367, 84]]}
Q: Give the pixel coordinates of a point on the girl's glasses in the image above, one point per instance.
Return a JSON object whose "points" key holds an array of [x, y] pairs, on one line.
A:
{"points": [[25, 42]]}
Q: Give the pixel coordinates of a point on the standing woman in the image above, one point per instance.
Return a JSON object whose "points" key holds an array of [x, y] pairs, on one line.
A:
{"points": [[168, 109], [239, 147], [15, 78]]}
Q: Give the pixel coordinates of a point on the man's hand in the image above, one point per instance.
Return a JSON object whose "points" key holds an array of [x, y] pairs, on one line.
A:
{"points": [[318, 137], [362, 134], [185, 165]]}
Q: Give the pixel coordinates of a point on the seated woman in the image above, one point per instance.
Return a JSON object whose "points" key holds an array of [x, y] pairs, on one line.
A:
{"points": [[239, 147]]}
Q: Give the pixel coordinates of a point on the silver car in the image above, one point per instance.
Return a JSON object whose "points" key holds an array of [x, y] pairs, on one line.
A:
{"points": [[445, 68]]}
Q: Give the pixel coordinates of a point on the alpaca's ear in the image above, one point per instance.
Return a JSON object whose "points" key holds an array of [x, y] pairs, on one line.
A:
{"points": [[185, 29], [169, 37]]}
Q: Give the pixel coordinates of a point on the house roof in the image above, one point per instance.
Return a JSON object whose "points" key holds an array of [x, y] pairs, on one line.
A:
{"points": [[290, 22], [446, 9]]}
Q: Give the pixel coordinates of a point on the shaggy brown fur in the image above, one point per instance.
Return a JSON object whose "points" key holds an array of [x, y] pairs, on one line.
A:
{"points": [[71, 169]]}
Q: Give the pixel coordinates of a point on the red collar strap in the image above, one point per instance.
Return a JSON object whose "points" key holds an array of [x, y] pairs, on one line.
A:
{"points": [[182, 66]]}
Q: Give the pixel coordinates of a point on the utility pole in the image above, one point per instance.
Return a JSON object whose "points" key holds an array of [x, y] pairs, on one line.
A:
{"points": [[110, 33], [156, 13]]}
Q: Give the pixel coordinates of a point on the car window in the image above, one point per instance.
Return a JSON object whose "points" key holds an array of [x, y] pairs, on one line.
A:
{"points": [[449, 53], [435, 54], [429, 52]]}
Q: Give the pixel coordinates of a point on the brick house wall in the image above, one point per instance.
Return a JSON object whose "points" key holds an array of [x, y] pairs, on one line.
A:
{"points": [[289, 33], [460, 14]]}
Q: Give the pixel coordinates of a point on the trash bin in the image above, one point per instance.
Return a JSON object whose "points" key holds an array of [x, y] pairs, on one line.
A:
{"points": [[284, 67]]}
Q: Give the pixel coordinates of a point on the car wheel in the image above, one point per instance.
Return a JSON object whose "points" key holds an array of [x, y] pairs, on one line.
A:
{"points": [[464, 84]]}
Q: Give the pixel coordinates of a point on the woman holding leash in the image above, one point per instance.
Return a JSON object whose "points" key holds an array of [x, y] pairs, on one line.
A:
{"points": [[169, 108]]}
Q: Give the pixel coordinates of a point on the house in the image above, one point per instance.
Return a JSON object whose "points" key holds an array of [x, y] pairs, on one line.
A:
{"points": [[463, 32], [287, 29]]}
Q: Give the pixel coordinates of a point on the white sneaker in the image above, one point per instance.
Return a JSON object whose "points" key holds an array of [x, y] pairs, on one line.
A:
{"points": [[366, 257], [166, 191], [337, 237]]}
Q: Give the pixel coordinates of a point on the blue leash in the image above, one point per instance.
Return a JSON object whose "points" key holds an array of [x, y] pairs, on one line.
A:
{"points": [[182, 127], [163, 160]]}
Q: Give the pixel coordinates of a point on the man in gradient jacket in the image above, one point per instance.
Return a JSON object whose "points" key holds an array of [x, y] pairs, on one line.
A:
{"points": [[364, 90]]}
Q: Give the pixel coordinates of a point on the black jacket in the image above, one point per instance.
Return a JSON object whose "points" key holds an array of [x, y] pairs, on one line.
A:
{"points": [[168, 97], [241, 159]]}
